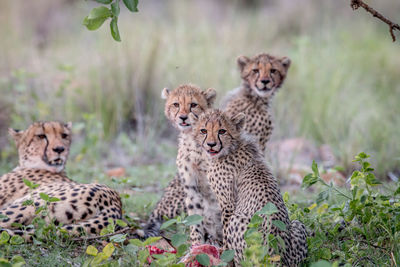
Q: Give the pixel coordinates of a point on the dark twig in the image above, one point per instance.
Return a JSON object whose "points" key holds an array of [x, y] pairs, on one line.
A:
{"points": [[123, 230], [355, 4]]}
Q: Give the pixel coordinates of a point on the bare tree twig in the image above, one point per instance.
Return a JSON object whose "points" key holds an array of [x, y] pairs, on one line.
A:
{"points": [[123, 230], [355, 4]]}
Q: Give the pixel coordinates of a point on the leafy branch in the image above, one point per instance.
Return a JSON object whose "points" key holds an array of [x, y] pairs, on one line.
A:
{"points": [[355, 4], [99, 15]]}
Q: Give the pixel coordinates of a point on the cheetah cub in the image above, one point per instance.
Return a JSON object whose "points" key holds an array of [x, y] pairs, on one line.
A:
{"points": [[243, 184], [192, 167], [43, 151], [261, 76]]}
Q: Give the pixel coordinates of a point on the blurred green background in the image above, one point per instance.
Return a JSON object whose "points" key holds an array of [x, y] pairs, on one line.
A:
{"points": [[342, 90]]}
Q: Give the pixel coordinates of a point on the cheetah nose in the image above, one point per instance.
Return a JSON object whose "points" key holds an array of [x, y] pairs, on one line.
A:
{"points": [[212, 144], [265, 81], [183, 117], [59, 149]]}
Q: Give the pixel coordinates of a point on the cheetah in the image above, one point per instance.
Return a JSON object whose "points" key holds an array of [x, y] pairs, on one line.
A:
{"points": [[248, 99], [43, 150], [243, 184], [180, 102], [261, 76]]}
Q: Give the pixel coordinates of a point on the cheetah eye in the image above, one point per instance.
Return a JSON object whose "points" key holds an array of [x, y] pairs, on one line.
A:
{"points": [[255, 70], [193, 105], [203, 131], [64, 136], [41, 136], [176, 105], [274, 70], [221, 131]]}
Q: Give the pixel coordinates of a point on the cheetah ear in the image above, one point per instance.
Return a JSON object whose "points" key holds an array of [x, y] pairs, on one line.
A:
{"points": [[15, 134], [285, 62], [210, 94], [165, 93], [68, 125], [238, 120], [242, 62]]}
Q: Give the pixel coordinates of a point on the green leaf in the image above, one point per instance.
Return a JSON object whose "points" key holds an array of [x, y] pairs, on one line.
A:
{"points": [[309, 180], [321, 263], [119, 238], [27, 182], [182, 250], [96, 18], [227, 255], [44, 196], [115, 8], [314, 168], [131, 5], [143, 255], [91, 250], [268, 209], [16, 240], [38, 210], [121, 223], [203, 259], [17, 261], [178, 239], [395, 193], [279, 224], [371, 180], [193, 219], [255, 221], [167, 224], [4, 263], [28, 202], [136, 242], [114, 29], [108, 250], [322, 196], [54, 199], [4, 237], [2, 216], [105, 2], [30, 184], [362, 155], [151, 240]]}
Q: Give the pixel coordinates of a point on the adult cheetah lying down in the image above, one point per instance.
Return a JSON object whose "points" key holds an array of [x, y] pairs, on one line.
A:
{"points": [[243, 184], [43, 151]]}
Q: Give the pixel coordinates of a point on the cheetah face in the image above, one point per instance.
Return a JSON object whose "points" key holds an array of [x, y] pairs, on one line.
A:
{"points": [[263, 74], [185, 100], [217, 133], [44, 145]]}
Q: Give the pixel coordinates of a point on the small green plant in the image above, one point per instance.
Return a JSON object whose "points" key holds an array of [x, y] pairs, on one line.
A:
{"points": [[359, 226], [99, 258], [258, 249], [99, 15]]}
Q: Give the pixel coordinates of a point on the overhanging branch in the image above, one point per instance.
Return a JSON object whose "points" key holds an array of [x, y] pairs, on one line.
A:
{"points": [[355, 4]]}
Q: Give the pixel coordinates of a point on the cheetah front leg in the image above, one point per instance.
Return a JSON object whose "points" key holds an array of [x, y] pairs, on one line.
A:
{"points": [[194, 204], [223, 188]]}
